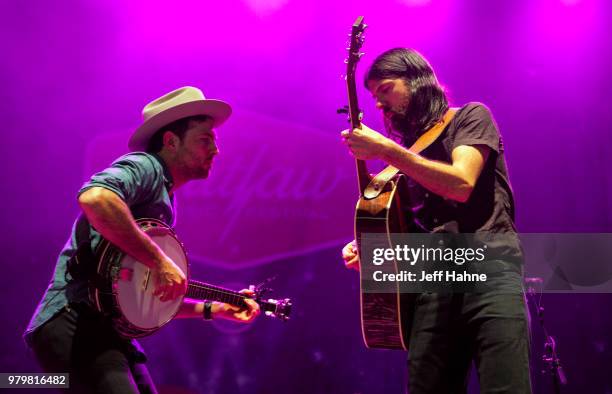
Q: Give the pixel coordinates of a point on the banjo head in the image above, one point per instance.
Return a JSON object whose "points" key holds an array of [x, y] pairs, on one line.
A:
{"points": [[136, 311]]}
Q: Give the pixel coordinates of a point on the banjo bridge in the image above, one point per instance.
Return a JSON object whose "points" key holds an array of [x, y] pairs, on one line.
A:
{"points": [[145, 282]]}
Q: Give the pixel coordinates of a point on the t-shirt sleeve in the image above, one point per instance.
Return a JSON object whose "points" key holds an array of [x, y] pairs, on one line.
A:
{"points": [[135, 178], [476, 126]]}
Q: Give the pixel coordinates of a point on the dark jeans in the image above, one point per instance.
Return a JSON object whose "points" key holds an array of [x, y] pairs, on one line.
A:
{"points": [[81, 342], [451, 330]]}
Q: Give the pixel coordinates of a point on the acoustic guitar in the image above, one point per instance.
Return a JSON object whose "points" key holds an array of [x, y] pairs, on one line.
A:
{"points": [[386, 316]]}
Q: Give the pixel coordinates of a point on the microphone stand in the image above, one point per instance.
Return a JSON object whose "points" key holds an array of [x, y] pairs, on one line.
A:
{"points": [[550, 357]]}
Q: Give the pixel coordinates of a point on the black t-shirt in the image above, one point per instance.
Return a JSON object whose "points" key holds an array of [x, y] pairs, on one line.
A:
{"points": [[490, 208]]}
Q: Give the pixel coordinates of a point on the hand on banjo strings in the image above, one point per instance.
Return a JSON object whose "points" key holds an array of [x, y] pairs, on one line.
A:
{"points": [[170, 280]]}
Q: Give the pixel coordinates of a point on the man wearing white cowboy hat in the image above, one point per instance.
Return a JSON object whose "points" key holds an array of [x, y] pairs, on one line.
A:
{"points": [[175, 144]]}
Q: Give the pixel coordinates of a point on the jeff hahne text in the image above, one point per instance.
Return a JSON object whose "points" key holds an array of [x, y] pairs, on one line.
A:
{"points": [[404, 254]]}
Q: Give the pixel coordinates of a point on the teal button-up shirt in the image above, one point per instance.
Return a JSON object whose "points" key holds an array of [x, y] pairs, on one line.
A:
{"points": [[143, 182]]}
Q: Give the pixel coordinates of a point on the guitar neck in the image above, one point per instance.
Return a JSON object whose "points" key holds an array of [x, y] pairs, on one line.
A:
{"points": [[203, 291], [363, 176]]}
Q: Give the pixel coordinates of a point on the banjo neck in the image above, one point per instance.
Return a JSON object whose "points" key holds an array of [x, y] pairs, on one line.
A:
{"points": [[121, 287], [203, 291]]}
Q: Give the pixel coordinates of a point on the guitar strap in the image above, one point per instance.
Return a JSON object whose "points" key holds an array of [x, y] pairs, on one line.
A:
{"points": [[377, 184]]}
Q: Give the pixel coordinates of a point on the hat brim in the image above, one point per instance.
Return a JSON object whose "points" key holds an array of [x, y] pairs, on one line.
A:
{"points": [[218, 110]]}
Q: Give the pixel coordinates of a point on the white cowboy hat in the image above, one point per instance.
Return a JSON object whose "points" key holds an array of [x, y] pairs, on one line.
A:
{"points": [[178, 104]]}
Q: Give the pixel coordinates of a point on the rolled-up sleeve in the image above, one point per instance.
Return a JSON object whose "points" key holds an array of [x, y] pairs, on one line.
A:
{"points": [[134, 177]]}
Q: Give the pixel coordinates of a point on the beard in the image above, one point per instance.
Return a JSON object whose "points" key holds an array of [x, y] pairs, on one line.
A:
{"points": [[194, 170], [398, 121], [200, 172]]}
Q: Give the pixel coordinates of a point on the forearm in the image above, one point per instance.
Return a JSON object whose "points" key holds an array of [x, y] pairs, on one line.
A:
{"points": [[440, 178], [191, 309], [195, 309], [112, 218]]}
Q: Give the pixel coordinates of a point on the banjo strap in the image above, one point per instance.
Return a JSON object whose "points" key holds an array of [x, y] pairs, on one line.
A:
{"points": [[82, 264]]}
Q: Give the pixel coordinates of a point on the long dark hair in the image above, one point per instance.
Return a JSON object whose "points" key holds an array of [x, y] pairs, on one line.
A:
{"points": [[428, 101]]}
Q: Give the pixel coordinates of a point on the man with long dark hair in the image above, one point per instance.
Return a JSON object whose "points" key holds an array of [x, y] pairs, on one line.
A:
{"points": [[459, 183]]}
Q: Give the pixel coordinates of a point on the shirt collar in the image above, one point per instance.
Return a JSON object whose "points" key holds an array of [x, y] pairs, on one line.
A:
{"points": [[167, 176]]}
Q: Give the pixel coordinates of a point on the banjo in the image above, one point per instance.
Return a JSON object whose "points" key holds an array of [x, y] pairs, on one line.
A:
{"points": [[123, 287]]}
